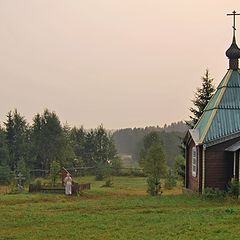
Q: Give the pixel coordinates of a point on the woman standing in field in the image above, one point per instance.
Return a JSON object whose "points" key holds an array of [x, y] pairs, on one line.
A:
{"points": [[68, 184]]}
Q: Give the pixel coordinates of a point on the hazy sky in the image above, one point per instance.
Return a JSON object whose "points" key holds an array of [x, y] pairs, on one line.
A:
{"points": [[122, 63]]}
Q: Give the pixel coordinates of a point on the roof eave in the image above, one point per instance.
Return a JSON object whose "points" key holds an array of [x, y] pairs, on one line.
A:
{"points": [[221, 140]]}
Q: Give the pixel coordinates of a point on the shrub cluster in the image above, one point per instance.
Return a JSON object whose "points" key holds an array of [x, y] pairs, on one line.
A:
{"points": [[154, 186], [234, 188], [214, 194], [36, 185]]}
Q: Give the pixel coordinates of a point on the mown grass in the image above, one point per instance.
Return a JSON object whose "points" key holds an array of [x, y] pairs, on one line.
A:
{"points": [[121, 212]]}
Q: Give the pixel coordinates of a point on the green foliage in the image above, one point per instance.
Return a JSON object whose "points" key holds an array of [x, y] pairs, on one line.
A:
{"points": [[136, 172], [131, 141], [170, 180], [234, 188], [179, 166], [214, 194], [151, 139], [9, 125], [36, 185], [154, 186], [78, 142], [4, 153], [103, 171], [116, 165], [14, 189], [95, 148], [202, 97], [170, 143], [49, 140], [153, 162], [104, 148], [67, 150], [22, 168], [100, 152], [17, 138], [37, 146], [54, 171], [108, 182], [148, 140], [100, 171], [5, 174]]}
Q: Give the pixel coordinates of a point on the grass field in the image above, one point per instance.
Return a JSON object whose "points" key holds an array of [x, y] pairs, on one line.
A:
{"points": [[121, 212]]}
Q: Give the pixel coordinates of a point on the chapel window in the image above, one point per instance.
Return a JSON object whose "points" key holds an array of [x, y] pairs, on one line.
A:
{"points": [[194, 162]]}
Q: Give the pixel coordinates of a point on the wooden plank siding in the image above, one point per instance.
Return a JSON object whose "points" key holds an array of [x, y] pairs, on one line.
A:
{"points": [[219, 165], [200, 166], [187, 167], [237, 166]]}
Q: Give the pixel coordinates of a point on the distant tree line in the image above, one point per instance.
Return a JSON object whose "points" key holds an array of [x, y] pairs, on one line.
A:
{"points": [[131, 140], [37, 145]]}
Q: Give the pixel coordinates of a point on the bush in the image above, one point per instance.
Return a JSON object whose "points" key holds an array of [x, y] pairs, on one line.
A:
{"points": [[14, 189], [116, 166], [214, 194], [170, 180], [179, 167], [36, 185], [233, 188], [108, 183], [154, 186], [103, 171]]}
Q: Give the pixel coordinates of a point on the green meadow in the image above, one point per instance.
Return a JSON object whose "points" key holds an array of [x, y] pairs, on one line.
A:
{"points": [[123, 211]]}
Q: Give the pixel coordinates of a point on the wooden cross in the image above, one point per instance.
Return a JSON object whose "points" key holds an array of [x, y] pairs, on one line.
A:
{"points": [[234, 14], [20, 178]]}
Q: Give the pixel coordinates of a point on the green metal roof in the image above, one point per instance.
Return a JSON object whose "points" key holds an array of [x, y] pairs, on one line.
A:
{"points": [[221, 117]]}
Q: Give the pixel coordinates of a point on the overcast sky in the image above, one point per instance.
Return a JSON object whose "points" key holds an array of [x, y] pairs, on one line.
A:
{"points": [[122, 63]]}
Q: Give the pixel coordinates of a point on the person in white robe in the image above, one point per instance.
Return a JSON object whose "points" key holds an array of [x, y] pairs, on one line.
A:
{"points": [[68, 184]]}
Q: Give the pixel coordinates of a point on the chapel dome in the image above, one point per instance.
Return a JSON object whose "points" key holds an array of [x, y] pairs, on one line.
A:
{"points": [[233, 51]]}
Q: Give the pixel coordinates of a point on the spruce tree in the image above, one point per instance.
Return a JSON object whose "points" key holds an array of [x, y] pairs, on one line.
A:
{"points": [[202, 97], [16, 137]]}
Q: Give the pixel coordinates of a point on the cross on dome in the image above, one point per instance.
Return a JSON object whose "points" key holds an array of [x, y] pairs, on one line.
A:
{"points": [[234, 14], [233, 52]]}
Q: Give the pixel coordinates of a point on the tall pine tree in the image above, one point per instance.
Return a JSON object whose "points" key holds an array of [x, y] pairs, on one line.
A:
{"points": [[16, 137], [48, 140], [202, 97]]}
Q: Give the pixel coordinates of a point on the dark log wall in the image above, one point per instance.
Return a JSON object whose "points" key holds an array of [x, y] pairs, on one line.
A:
{"points": [[219, 165], [200, 155], [237, 166], [192, 181]]}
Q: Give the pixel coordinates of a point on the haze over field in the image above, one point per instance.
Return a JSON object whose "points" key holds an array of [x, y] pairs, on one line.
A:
{"points": [[123, 63]]}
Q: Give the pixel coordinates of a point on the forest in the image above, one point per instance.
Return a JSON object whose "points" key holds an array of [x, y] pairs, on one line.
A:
{"points": [[129, 141], [35, 146]]}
